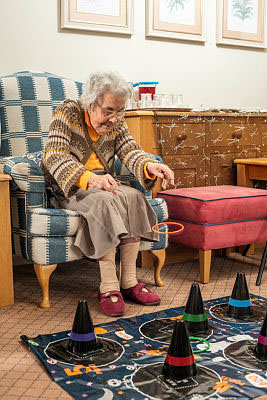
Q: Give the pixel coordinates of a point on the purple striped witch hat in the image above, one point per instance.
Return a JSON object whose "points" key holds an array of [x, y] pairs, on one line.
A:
{"points": [[82, 337], [239, 305], [261, 347]]}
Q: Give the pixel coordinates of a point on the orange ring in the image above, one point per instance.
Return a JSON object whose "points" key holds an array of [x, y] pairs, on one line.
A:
{"points": [[168, 223]]}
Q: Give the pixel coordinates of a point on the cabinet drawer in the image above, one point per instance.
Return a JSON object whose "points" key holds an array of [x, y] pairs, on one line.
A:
{"points": [[264, 134], [189, 171], [234, 134], [222, 168], [178, 136]]}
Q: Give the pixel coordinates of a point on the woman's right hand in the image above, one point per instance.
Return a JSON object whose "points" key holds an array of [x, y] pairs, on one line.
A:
{"points": [[103, 182]]}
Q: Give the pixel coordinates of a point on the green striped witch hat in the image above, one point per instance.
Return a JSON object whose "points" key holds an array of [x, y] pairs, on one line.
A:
{"points": [[194, 314], [179, 362], [82, 340], [261, 347], [239, 305]]}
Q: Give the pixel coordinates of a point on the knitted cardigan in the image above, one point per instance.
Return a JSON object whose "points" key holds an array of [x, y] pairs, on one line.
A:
{"points": [[69, 146]]}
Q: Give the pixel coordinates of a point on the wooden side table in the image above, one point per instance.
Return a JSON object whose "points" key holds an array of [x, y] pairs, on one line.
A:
{"points": [[248, 170], [6, 266], [251, 169]]}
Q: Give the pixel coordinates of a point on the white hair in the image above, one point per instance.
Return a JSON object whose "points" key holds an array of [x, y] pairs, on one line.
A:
{"points": [[100, 83]]}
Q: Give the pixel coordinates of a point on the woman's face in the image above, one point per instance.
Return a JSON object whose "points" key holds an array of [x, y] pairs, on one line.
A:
{"points": [[107, 113]]}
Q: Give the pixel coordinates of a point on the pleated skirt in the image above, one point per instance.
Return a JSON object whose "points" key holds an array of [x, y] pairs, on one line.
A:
{"points": [[106, 218]]}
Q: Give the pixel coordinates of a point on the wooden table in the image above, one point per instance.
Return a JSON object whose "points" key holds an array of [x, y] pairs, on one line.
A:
{"points": [[251, 169], [6, 266]]}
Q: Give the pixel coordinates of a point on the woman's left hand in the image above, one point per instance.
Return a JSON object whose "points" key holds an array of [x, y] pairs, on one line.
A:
{"points": [[162, 171]]}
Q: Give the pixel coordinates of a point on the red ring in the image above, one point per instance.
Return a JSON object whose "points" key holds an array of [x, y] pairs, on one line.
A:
{"points": [[168, 223]]}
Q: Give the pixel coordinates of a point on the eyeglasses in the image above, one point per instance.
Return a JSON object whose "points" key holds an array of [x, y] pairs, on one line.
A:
{"points": [[111, 114]]}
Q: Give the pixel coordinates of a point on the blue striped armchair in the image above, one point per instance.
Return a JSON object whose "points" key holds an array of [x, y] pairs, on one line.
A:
{"points": [[43, 235]]}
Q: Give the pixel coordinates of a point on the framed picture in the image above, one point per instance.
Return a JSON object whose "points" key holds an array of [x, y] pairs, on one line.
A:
{"points": [[175, 19], [241, 22], [114, 16]]}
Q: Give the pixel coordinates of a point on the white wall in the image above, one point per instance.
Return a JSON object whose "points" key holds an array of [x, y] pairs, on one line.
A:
{"points": [[31, 38]]}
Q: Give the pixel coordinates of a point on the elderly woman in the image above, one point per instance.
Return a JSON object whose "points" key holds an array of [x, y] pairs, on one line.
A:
{"points": [[78, 163]]}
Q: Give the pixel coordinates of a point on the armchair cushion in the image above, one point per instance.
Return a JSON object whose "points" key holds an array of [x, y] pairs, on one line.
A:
{"points": [[52, 222]]}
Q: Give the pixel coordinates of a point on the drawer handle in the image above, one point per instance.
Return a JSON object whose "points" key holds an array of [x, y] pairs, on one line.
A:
{"points": [[237, 135], [182, 136]]}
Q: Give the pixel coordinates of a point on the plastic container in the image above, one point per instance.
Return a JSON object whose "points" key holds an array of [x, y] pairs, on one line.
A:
{"points": [[144, 88]]}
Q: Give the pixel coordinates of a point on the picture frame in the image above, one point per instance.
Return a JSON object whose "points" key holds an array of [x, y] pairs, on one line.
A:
{"points": [[108, 16], [241, 23], [175, 19]]}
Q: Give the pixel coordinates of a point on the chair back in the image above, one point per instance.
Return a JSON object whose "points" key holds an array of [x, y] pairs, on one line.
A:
{"points": [[27, 102]]}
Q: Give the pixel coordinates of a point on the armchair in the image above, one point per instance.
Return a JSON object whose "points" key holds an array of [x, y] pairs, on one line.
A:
{"points": [[43, 235]]}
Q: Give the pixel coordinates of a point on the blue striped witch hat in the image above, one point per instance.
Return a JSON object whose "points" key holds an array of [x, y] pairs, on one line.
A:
{"points": [[239, 305], [179, 362], [194, 315], [261, 347], [82, 337]]}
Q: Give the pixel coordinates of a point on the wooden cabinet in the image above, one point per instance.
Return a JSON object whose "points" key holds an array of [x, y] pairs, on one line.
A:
{"points": [[200, 147]]}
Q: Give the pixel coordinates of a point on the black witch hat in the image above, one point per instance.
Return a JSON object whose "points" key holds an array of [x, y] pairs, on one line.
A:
{"points": [[261, 347], [239, 305], [179, 362], [194, 315], [82, 337]]}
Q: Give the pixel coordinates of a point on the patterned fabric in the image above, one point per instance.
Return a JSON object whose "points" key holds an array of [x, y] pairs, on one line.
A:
{"points": [[52, 222], [69, 144], [39, 234], [27, 102]]}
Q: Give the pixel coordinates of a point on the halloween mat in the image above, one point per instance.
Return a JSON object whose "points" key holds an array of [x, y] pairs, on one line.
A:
{"points": [[136, 348]]}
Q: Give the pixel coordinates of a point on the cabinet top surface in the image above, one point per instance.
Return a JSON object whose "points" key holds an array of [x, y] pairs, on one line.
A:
{"points": [[141, 113]]}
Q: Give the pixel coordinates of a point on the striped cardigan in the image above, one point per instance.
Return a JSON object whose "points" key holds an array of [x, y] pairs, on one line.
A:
{"points": [[69, 146]]}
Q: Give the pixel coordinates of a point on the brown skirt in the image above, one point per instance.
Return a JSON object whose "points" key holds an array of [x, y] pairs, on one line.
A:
{"points": [[108, 217]]}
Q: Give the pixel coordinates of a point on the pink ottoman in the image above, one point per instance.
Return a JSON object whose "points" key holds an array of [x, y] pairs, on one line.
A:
{"points": [[216, 217]]}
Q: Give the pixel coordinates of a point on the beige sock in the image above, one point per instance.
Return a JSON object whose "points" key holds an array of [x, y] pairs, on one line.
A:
{"points": [[128, 256], [109, 279]]}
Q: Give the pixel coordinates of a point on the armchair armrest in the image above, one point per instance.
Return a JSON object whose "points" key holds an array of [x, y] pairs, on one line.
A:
{"points": [[124, 175], [26, 174]]}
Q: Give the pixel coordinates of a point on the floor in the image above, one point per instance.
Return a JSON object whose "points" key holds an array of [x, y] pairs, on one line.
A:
{"points": [[21, 374]]}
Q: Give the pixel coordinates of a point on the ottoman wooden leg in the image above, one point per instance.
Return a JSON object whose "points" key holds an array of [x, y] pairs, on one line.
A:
{"points": [[204, 264]]}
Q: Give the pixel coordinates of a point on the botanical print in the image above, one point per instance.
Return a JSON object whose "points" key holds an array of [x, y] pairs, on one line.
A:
{"points": [[102, 7], [243, 16], [243, 9], [175, 3], [177, 11]]}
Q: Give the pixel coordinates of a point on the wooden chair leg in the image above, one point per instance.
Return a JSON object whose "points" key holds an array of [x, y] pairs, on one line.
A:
{"points": [[159, 257], [204, 264], [43, 273]]}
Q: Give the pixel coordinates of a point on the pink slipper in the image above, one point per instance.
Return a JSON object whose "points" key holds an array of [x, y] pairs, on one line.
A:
{"points": [[137, 294], [109, 307]]}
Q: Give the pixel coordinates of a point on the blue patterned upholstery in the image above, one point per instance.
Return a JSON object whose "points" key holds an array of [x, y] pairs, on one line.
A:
{"points": [[40, 234]]}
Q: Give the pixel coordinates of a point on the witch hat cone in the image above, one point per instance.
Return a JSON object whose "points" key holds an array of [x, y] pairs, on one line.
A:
{"points": [[82, 337], [194, 314], [179, 362], [240, 304], [261, 347]]}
